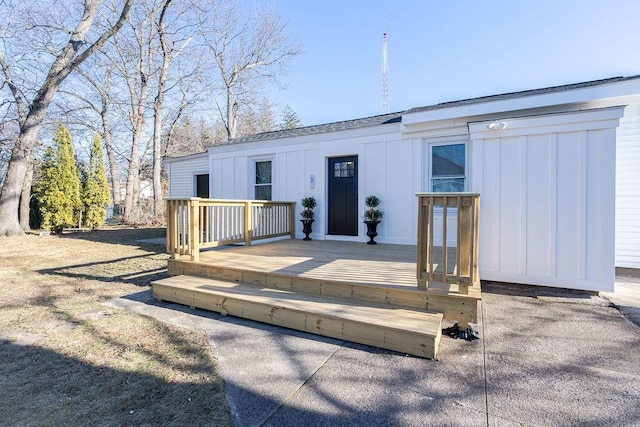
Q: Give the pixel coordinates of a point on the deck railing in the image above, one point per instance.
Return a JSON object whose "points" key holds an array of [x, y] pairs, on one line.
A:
{"points": [[447, 255], [196, 223]]}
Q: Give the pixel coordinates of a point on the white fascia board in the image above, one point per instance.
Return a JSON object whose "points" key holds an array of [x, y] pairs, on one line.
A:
{"points": [[626, 91], [385, 129], [440, 128], [603, 118], [186, 158]]}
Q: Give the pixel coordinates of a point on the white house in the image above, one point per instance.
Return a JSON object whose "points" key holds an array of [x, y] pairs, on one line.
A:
{"points": [[145, 192], [558, 170]]}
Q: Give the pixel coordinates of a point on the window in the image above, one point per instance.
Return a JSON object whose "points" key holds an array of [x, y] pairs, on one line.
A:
{"points": [[263, 180], [448, 167], [344, 169]]}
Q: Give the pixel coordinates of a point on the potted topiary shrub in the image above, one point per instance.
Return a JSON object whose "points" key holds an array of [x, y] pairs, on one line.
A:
{"points": [[307, 215], [372, 217]]}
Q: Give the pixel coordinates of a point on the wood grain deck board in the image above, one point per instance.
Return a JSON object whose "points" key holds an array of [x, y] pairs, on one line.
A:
{"points": [[403, 330], [344, 261], [380, 274], [378, 314]]}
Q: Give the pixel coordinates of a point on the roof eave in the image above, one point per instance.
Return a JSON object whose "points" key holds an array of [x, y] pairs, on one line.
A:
{"points": [[186, 157], [626, 91]]}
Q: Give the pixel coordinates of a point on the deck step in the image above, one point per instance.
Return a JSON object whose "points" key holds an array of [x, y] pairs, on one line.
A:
{"points": [[439, 299], [403, 330]]}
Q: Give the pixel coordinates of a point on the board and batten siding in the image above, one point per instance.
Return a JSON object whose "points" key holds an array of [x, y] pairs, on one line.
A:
{"points": [[628, 189], [388, 167], [547, 199], [182, 171]]}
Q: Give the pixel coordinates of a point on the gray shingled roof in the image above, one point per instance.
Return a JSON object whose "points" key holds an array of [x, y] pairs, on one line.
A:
{"points": [[521, 94], [327, 127], [397, 117]]}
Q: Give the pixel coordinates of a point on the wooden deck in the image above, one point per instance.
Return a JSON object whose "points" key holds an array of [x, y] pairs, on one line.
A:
{"points": [[348, 290], [385, 265], [408, 331]]}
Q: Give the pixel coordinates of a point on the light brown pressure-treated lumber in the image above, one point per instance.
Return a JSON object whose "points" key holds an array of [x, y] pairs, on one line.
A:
{"points": [[381, 273], [407, 331]]}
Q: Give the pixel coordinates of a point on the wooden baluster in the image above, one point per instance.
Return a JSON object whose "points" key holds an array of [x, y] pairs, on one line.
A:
{"points": [[194, 229], [183, 230], [443, 277]]}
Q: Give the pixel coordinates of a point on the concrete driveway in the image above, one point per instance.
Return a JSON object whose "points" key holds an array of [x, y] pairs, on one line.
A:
{"points": [[543, 359]]}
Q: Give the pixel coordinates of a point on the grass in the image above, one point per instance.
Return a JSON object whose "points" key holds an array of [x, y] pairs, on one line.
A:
{"points": [[69, 359]]}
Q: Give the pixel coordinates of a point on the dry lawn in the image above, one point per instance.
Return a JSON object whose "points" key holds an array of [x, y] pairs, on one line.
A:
{"points": [[68, 359]]}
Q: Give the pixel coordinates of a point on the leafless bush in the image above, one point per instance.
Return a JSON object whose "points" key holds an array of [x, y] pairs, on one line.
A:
{"points": [[143, 214]]}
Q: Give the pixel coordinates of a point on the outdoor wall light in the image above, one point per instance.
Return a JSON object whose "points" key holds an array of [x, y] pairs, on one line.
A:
{"points": [[497, 125]]}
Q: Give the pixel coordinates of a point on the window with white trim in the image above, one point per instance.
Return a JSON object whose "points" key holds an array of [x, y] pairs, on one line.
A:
{"points": [[263, 181], [448, 167]]}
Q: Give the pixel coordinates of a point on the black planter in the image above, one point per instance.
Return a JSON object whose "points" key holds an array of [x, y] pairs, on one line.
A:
{"points": [[372, 231], [306, 228]]}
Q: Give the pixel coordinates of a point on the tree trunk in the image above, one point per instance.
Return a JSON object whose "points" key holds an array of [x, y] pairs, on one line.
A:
{"points": [[231, 114], [25, 198], [158, 106], [113, 164], [108, 144], [10, 199], [133, 181], [21, 156]]}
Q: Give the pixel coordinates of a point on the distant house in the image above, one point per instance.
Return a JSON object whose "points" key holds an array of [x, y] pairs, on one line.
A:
{"points": [[146, 190], [557, 169]]}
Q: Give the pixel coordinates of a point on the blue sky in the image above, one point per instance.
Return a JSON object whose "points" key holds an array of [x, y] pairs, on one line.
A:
{"points": [[449, 50]]}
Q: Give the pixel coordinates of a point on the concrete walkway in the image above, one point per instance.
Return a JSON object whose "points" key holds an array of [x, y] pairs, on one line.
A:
{"points": [[543, 359], [626, 297]]}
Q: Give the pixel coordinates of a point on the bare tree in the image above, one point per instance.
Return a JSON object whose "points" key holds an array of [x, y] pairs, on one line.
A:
{"points": [[31, 111], [247, 50], [151, 86], [132, 54], [186, 137], [256, 118], [158, 107], [173, 42], [95, 101]]}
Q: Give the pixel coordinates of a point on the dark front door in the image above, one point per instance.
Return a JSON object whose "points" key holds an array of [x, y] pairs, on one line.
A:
{"points": [[343, 196]]}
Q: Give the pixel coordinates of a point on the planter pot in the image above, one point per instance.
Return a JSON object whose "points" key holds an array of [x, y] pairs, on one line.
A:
{"points": [[306, 228], [372, 231]]}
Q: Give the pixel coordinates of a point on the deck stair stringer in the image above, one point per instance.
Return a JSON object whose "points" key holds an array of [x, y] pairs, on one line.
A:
{"points": [[404, 330]]}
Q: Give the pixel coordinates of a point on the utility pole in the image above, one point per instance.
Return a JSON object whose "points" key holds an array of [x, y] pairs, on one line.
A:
{"points": [[384, 100]]}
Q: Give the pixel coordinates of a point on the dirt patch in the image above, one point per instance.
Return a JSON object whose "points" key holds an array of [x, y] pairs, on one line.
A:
{"points": [[69, 359]]}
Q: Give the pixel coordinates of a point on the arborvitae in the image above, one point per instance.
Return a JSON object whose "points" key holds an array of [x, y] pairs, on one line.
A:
{"points": [[58, 191], [95, 187]]}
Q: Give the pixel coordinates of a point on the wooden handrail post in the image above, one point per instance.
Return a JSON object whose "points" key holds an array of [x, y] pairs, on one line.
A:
{"points": [[422, 247], [169, 229], [194, 228], [173, 228], [466, 250], [292, 220], [248, 221], [465, 236]]}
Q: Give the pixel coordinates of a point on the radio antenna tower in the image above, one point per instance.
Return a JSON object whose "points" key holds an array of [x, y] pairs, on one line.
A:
{"points": [[384, 100]]}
